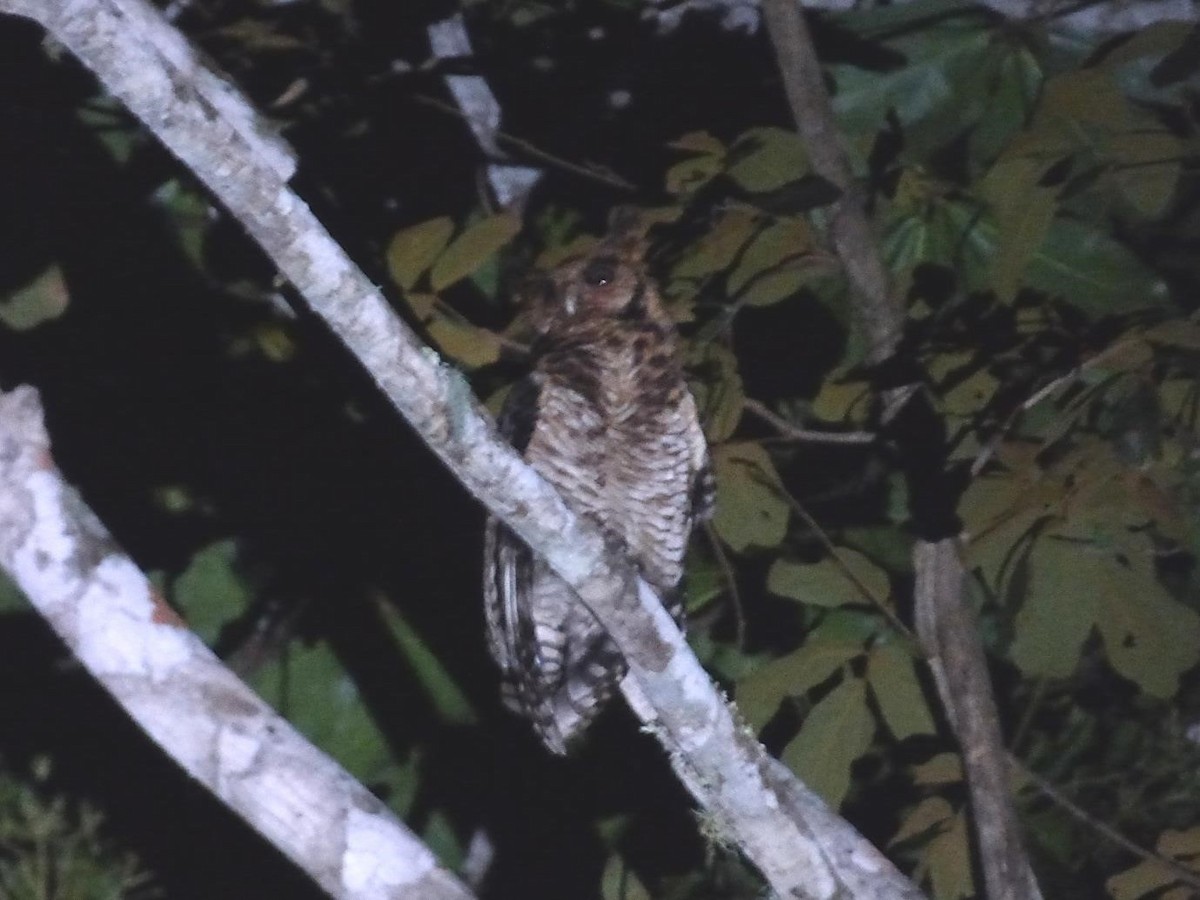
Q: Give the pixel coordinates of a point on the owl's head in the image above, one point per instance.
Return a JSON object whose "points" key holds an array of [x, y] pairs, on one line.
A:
{"points": [[609, 284]]}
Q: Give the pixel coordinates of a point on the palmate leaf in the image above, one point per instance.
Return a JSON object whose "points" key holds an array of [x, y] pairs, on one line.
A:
{"points": [[824, 653], [719, 247], [1092, 271], [750, 511], [1151, 876], [1070, 547], [836, 732], [892, 675], [211, 592], [12, 600], [311, 688], [772, 267], [459, 339], [936, 60], [434, 679], [717, 389], [471, 249], [413, 250], [41, 300], [765, 159], [961, 74], [945, 852], [1077, 262], [1149, 637], [849, 579]]}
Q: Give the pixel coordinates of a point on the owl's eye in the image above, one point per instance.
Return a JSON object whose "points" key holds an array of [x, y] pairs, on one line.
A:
{"points": [[600, 271]]}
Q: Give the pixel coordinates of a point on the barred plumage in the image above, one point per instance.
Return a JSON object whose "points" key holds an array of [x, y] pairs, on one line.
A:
{"points": [[606, 418]]}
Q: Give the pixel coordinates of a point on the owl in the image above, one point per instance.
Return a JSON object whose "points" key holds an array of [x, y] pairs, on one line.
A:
{"points": [[606, 417]]}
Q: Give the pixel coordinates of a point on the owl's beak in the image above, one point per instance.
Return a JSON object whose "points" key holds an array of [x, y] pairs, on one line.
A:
{"points": [[569, 303]]}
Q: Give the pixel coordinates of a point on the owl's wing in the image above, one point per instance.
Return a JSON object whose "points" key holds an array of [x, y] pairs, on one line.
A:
{"points": [[704, 483], [557, 663], [508, 562]]}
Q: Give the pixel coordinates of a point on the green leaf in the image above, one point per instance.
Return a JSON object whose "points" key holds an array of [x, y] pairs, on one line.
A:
{"points": [[471, 249], [1023, 211], [1148, 163], [1093, 272], [945, 768], [760, 693], [1150, 877], [945, 857], [1015, 81], [459, 339], [948, 861], [932, 813], [765, 159], [311, 688], [1142, 881], [719, 247], [942, 61], [12, 598], [836, 732], [413, 250], [1149, 637], [210, 592], [750, 511], [829, 582], [893, 678], [1081, 100], [438, 835], [692, 173], [434, 679], [469, 344], [1059, 612], [772, 266], [619, 882], [42, 300], [718, 390], [190, 213], [925, 224], [698, 142], [780, 284]]}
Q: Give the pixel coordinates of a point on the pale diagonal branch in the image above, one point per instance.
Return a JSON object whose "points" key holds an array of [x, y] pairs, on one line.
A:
{"points": [[180, 694]]}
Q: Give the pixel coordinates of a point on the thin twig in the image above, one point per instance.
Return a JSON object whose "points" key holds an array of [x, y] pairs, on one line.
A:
{"points": [[1184, 874], [804, 435], [1041, 394], [735, 596], [869, 595], [529, 149]]}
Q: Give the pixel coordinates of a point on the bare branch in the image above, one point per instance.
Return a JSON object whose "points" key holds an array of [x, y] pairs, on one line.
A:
{"points": [[945, 625], [850, 232], [181, 695], [804, 435], [448, 39], [1183, 874], [949, 632], [799, 851]]}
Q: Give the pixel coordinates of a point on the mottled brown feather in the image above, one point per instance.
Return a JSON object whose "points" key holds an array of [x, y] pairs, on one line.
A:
{"points": [[606, 418]]}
